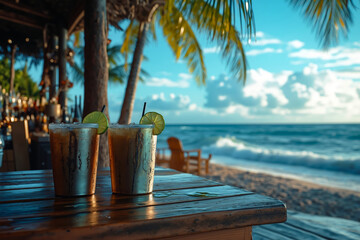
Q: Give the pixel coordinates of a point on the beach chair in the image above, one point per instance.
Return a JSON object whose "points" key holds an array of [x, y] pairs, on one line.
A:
{"points": [[186, 160]]}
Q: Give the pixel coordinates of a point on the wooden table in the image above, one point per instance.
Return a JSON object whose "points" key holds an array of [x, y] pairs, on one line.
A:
{"points": [[183, 206]]}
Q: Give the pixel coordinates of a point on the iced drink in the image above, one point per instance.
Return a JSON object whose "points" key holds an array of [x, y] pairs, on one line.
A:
{"points": [[132, 158], [74, 156]]}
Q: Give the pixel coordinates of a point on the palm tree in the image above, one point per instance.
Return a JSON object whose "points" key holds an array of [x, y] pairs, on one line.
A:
{"points": [[329, 18], [177, 17], [23, 83]]}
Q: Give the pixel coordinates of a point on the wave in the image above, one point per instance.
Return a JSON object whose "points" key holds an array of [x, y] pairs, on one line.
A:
{"points": [[237, 149]]}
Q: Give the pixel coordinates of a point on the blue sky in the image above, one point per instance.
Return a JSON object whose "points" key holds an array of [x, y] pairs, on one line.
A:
{"points": [[290, 78]]}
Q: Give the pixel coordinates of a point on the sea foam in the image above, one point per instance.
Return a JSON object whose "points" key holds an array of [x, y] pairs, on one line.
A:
{"points": [[237, 149]]}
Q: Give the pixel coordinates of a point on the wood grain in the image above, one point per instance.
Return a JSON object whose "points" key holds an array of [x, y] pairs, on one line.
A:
{"points": [[237, 233], [181, 205]]}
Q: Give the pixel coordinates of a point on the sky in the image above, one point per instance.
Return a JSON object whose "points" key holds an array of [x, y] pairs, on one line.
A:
{"points": [[290, 78]]}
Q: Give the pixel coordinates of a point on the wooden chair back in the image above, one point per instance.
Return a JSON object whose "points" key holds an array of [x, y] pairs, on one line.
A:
{"points": [[20, 139], [177, 159]]}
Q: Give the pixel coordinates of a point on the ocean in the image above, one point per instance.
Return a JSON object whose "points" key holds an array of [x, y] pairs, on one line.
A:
{"points": [[327, 154]]}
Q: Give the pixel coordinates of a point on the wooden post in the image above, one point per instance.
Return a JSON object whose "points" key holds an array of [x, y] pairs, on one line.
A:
{"points": [[45, 74], [62, 68], [96, 70], [53, 68], [12, 69]]}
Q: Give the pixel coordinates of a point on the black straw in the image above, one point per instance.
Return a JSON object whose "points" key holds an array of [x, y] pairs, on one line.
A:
{"points": [[103, 108], [143, 113]]}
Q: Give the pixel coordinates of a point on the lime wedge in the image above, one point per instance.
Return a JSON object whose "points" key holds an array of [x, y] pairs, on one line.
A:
{"points": [[99, 118], [156, 119]]}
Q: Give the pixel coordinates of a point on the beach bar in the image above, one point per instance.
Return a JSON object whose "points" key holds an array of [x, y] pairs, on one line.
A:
{"points": [[182, 206]]}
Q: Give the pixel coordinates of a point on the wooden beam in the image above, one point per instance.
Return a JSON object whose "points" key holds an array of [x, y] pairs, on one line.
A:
{"points": [[53, 69], [15, 18], [76, 17], [76, 22], [23, 8], [62, 68]]}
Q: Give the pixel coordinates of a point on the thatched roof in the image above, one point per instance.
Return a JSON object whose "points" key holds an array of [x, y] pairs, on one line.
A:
{"points": [[27, 22]]}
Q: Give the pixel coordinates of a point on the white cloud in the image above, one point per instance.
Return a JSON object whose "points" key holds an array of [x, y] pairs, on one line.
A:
{"points": [[211, 50], [334, 57], [185, 76], [183, 81], [331, 54], [222, 97], [256, 52], [301, 95], [310, 69], [165, 82], [296, 44], [163, 102], [310, 95], [260, 34], [263, 42], [261, 89], [322, 92], [353, 73]]}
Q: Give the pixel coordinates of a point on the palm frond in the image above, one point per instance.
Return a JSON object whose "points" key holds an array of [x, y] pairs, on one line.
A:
{"points": [[329, 17], [143, 75], [113, 54], [117, 74], [153, 26], [77, 38], [222, 14], [77, 73], [183, 42], [216, 19]]}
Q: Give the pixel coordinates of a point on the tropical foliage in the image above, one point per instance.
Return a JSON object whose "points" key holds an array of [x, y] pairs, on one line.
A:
{"points": [[181, 20], [330, 18], [117, 70], [178, 20], [23, 83]]}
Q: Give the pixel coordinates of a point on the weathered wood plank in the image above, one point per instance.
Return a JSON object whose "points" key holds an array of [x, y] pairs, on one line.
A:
{"points": [[237, 233], [161, 182], [302, 225], [25, 173], [181, 219], [49, 171], [260, 233], [292, 232], [39, 176], [328, 227], [181, 204], [107, 201], [326, 232]]}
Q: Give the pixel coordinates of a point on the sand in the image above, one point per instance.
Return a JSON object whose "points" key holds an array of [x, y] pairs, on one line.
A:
{"points": [[297, 195]]}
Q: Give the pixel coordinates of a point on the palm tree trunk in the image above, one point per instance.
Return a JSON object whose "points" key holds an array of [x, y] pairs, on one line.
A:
{"points": [[12, 68], [96, 70], [129, 98]]}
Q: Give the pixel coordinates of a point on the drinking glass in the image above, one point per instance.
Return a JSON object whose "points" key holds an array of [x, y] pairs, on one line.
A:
{"points": [[74, 155], [132, 158]]}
